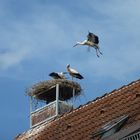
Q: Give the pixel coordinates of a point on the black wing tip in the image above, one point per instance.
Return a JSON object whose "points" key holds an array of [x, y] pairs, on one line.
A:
{"points": [[79, 76], [51, 73]]}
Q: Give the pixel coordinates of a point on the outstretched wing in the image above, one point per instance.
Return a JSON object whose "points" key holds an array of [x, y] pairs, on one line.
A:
{"points": [[92, 37]]}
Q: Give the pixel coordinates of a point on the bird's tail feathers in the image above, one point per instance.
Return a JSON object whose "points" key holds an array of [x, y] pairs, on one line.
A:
{"points": [[79, 76]]}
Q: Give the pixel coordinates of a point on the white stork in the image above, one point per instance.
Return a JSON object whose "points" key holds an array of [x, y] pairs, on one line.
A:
{"points": [[58, 75], [92, 41], [74, 73]]}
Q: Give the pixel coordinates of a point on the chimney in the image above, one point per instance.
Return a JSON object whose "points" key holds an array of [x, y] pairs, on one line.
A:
{"points": [[49, 99]]}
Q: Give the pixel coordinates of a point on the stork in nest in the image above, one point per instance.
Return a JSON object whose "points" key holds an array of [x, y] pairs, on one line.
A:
{"points": [[58, 75], [73, 73], [91, 41]]}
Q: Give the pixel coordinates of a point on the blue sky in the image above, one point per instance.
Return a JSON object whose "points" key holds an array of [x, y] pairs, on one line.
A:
{"points": [[37, 38]]}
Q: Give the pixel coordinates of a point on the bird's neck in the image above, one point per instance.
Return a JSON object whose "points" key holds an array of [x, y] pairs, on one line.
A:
{"points": [[68, 69], [82, 43]]}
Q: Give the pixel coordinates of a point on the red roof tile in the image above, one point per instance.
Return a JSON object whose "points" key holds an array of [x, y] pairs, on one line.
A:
{"points": [[82, 122]]}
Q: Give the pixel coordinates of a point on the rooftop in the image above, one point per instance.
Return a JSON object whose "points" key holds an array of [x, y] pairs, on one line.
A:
{"points": [[89, 119]]}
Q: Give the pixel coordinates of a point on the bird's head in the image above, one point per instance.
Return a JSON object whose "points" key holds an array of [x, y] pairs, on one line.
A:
{"points": [[68, 65], [64, 72]]}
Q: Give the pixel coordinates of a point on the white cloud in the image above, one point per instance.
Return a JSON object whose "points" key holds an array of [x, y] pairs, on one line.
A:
{"points": [[12, 58]]}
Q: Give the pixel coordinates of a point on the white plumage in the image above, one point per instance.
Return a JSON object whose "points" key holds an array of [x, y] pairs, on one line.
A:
{"points": [[92, 41], [74, 73]]}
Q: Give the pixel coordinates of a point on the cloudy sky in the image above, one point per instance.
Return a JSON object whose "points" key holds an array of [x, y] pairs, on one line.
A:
{"points": [[36, 38]]}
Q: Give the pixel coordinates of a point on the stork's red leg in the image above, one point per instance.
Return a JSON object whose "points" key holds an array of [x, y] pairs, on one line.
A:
{"points": [[100, 52], [97, 52]]}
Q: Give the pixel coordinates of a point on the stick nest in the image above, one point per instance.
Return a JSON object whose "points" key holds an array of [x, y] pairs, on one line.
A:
{"points": [[46, 90]]}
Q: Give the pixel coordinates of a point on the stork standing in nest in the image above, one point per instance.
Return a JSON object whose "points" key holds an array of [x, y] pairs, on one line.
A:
{"points": [[74, 73], [92, 41], [58, 75]]}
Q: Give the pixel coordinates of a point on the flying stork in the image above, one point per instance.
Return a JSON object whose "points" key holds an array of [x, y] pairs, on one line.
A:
{"points": [[91, 41], [74, 73], [58, 75]]}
